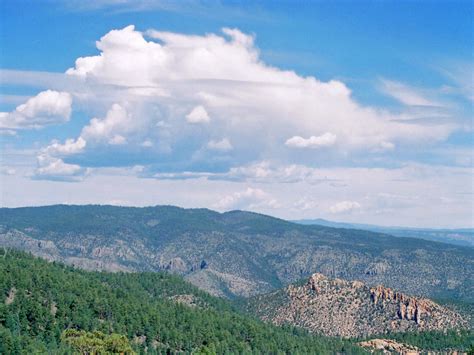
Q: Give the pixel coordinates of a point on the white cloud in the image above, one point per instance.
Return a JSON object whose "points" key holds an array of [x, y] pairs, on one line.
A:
{"points": [[40, 79], [344, 207], [47, 108], [406, 95], [460, 73], [198, 115], [51, 168], [249, 199], [110, 130], [266, 172], [250, 101], [326, 140], [70, 146], [111, 127], [222, 145]]}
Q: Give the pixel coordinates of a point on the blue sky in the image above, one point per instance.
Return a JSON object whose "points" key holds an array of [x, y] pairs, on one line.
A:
{"points": [[354, 111]]}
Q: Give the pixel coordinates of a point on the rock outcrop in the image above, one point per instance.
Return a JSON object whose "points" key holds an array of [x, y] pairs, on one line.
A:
{"points": [[388, 346], [337, 307], [409, 308]]}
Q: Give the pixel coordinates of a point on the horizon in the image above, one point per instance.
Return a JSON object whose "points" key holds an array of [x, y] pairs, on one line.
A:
{"points": [[354, 112], [297, 221]]}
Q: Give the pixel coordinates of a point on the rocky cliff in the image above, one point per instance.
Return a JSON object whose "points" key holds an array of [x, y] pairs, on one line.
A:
{"points": [[337, 307]]}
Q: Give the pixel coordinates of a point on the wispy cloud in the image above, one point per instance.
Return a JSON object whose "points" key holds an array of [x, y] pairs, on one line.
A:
{"points": [[406, 94], [39, 79], [461, 76]]}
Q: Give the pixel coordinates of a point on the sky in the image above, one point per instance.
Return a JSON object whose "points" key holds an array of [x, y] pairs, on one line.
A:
{"points": [[349, 111]]}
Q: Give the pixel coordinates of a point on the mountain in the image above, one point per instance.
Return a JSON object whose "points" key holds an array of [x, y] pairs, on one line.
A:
{"points": [[336, 307], [235, 253], [460, 236], [47, 307], [43, 305]]}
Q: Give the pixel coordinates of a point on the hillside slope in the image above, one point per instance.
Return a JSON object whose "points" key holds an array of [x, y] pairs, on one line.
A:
{"points": [[157, 312], [235, 253], [336, 307]]}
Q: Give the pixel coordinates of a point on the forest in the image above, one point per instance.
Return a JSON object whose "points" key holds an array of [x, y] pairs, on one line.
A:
{"points": [[43, 300], [51, 308]]}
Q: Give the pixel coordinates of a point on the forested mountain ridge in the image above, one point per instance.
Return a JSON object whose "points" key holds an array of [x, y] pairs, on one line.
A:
{"points": [[40, 300], [235, 253]]}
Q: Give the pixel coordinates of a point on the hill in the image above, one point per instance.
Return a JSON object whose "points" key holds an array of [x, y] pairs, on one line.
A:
{"points": [[336, 307], [235, 253], [460, 236], [156, 312]]}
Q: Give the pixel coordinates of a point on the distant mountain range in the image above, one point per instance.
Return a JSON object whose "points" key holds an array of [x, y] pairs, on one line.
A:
{"points": [[459, 236], [235, 253]]}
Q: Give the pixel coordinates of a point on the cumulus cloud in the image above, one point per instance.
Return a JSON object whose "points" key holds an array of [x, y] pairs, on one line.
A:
{"points": [[226, 74], [198, 115], [47, 108], [106, 130], [51, 168], [116, 122], [149, 81], [326, 140], [248, 199], [70, 146], [344, 207]]}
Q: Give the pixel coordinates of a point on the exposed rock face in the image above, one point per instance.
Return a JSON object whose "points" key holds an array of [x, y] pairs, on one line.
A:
{"points": [[387, 346], [409, 308], [176, 265], [337, 307]]}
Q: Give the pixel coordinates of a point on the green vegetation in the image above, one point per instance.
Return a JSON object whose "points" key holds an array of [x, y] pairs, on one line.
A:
{"points": [[96, 342], [48, 307]]}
